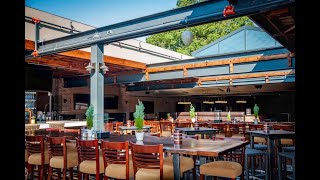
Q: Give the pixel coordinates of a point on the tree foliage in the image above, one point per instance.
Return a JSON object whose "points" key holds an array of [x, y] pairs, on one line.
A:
{"points": [[89, 116], [256, 110], [203, 34], [192, 111], [139, 115]]}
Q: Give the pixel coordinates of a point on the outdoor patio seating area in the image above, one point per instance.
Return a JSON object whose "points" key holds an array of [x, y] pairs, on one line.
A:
{"points": [[202, 90]]}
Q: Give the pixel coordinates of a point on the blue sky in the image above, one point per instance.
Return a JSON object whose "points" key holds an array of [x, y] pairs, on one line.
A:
{"points": [[102, 12]]}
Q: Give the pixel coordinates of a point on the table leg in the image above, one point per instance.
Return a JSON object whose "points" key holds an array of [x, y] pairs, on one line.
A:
{"points": [[176, 166], [251, 141], [202, 136], [270, 158]]}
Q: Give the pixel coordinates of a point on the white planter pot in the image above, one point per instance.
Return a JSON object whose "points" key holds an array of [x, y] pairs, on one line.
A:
{"points": [[139, 142], [89, 131], [255, 121], [139, 136], [193, 120]]}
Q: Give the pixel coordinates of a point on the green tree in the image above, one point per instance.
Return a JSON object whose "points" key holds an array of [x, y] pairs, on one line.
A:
{"points": [[256, 110], [139, 116], [192, 111], [203, 34], [89, 116]]}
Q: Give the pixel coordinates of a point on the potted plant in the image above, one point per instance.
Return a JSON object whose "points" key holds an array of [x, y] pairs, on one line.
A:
{"points": [[139, 119], [192, 113], [256, 113], [229, 116], [89, 119]]}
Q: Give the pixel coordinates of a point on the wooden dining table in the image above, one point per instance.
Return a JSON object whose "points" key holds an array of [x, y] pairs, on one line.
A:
{"points": [[188, 146], [200, 130]]}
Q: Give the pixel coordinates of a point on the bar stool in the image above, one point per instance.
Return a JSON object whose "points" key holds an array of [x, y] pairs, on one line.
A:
{"points": [[227, 168], [117, 161], [286, 155], [149, 164], [61, 156], [249, 153], [38, 154], [90, 162]]}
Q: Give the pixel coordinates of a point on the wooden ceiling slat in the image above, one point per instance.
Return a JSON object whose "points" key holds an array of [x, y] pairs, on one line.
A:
{"points": [[79, 54]]}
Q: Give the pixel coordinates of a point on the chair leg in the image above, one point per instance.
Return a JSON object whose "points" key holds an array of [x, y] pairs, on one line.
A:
{"points": [[293, 169], [71, 173], [50, 173], [246, 167], [64, 176], [87, 176], [279, 167], [32, 171], [59, 173], [79, 175], [201, 176], [40, 171]]}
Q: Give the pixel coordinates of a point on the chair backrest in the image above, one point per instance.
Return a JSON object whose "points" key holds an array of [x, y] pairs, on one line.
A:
{"points": [[89, 150], [117, 126], [286, 127], [116, 153], [184, 123], [57, 147], [53, 132], [256, 126], [148, 157], [60, 126], [35, 144], [71, 133], [108, 127], [164, 124], [236, 154]]}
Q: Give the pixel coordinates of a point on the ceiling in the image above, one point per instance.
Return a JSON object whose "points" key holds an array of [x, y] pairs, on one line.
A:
{"points": [[218, 91], [280, 24]]}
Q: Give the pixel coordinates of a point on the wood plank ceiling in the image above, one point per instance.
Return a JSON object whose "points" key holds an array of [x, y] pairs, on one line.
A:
{"points": [[73, 63]]}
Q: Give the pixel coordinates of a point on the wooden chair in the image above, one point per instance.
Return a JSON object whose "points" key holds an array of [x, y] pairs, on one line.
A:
{"points": [[165, 125], [108, 127], [90, 163], [117, 162], [59, 126], [61, 157], [117, 130], [38, 155], [229, 167], [155, 130], [53, 132], [238, 130], [148, 162], [185, 123], [71, 134]]}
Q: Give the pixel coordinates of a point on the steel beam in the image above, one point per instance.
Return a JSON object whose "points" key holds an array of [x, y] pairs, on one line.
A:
{"points": [[97, 87], [255, 79], [200, 13], [260, 66]]}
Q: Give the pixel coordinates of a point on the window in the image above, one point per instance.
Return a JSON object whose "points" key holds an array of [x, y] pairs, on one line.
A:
{"points": [[149, 107]]}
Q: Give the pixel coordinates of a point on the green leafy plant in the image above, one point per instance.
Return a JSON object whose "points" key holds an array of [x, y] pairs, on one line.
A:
{"points": [[229, 116], [89, 116], [139, 116], [192, 111], [256, 110], [168, 115]]}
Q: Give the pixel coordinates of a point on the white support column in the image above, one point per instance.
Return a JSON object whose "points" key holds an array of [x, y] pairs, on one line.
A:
{"points": [[97, 86]]}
